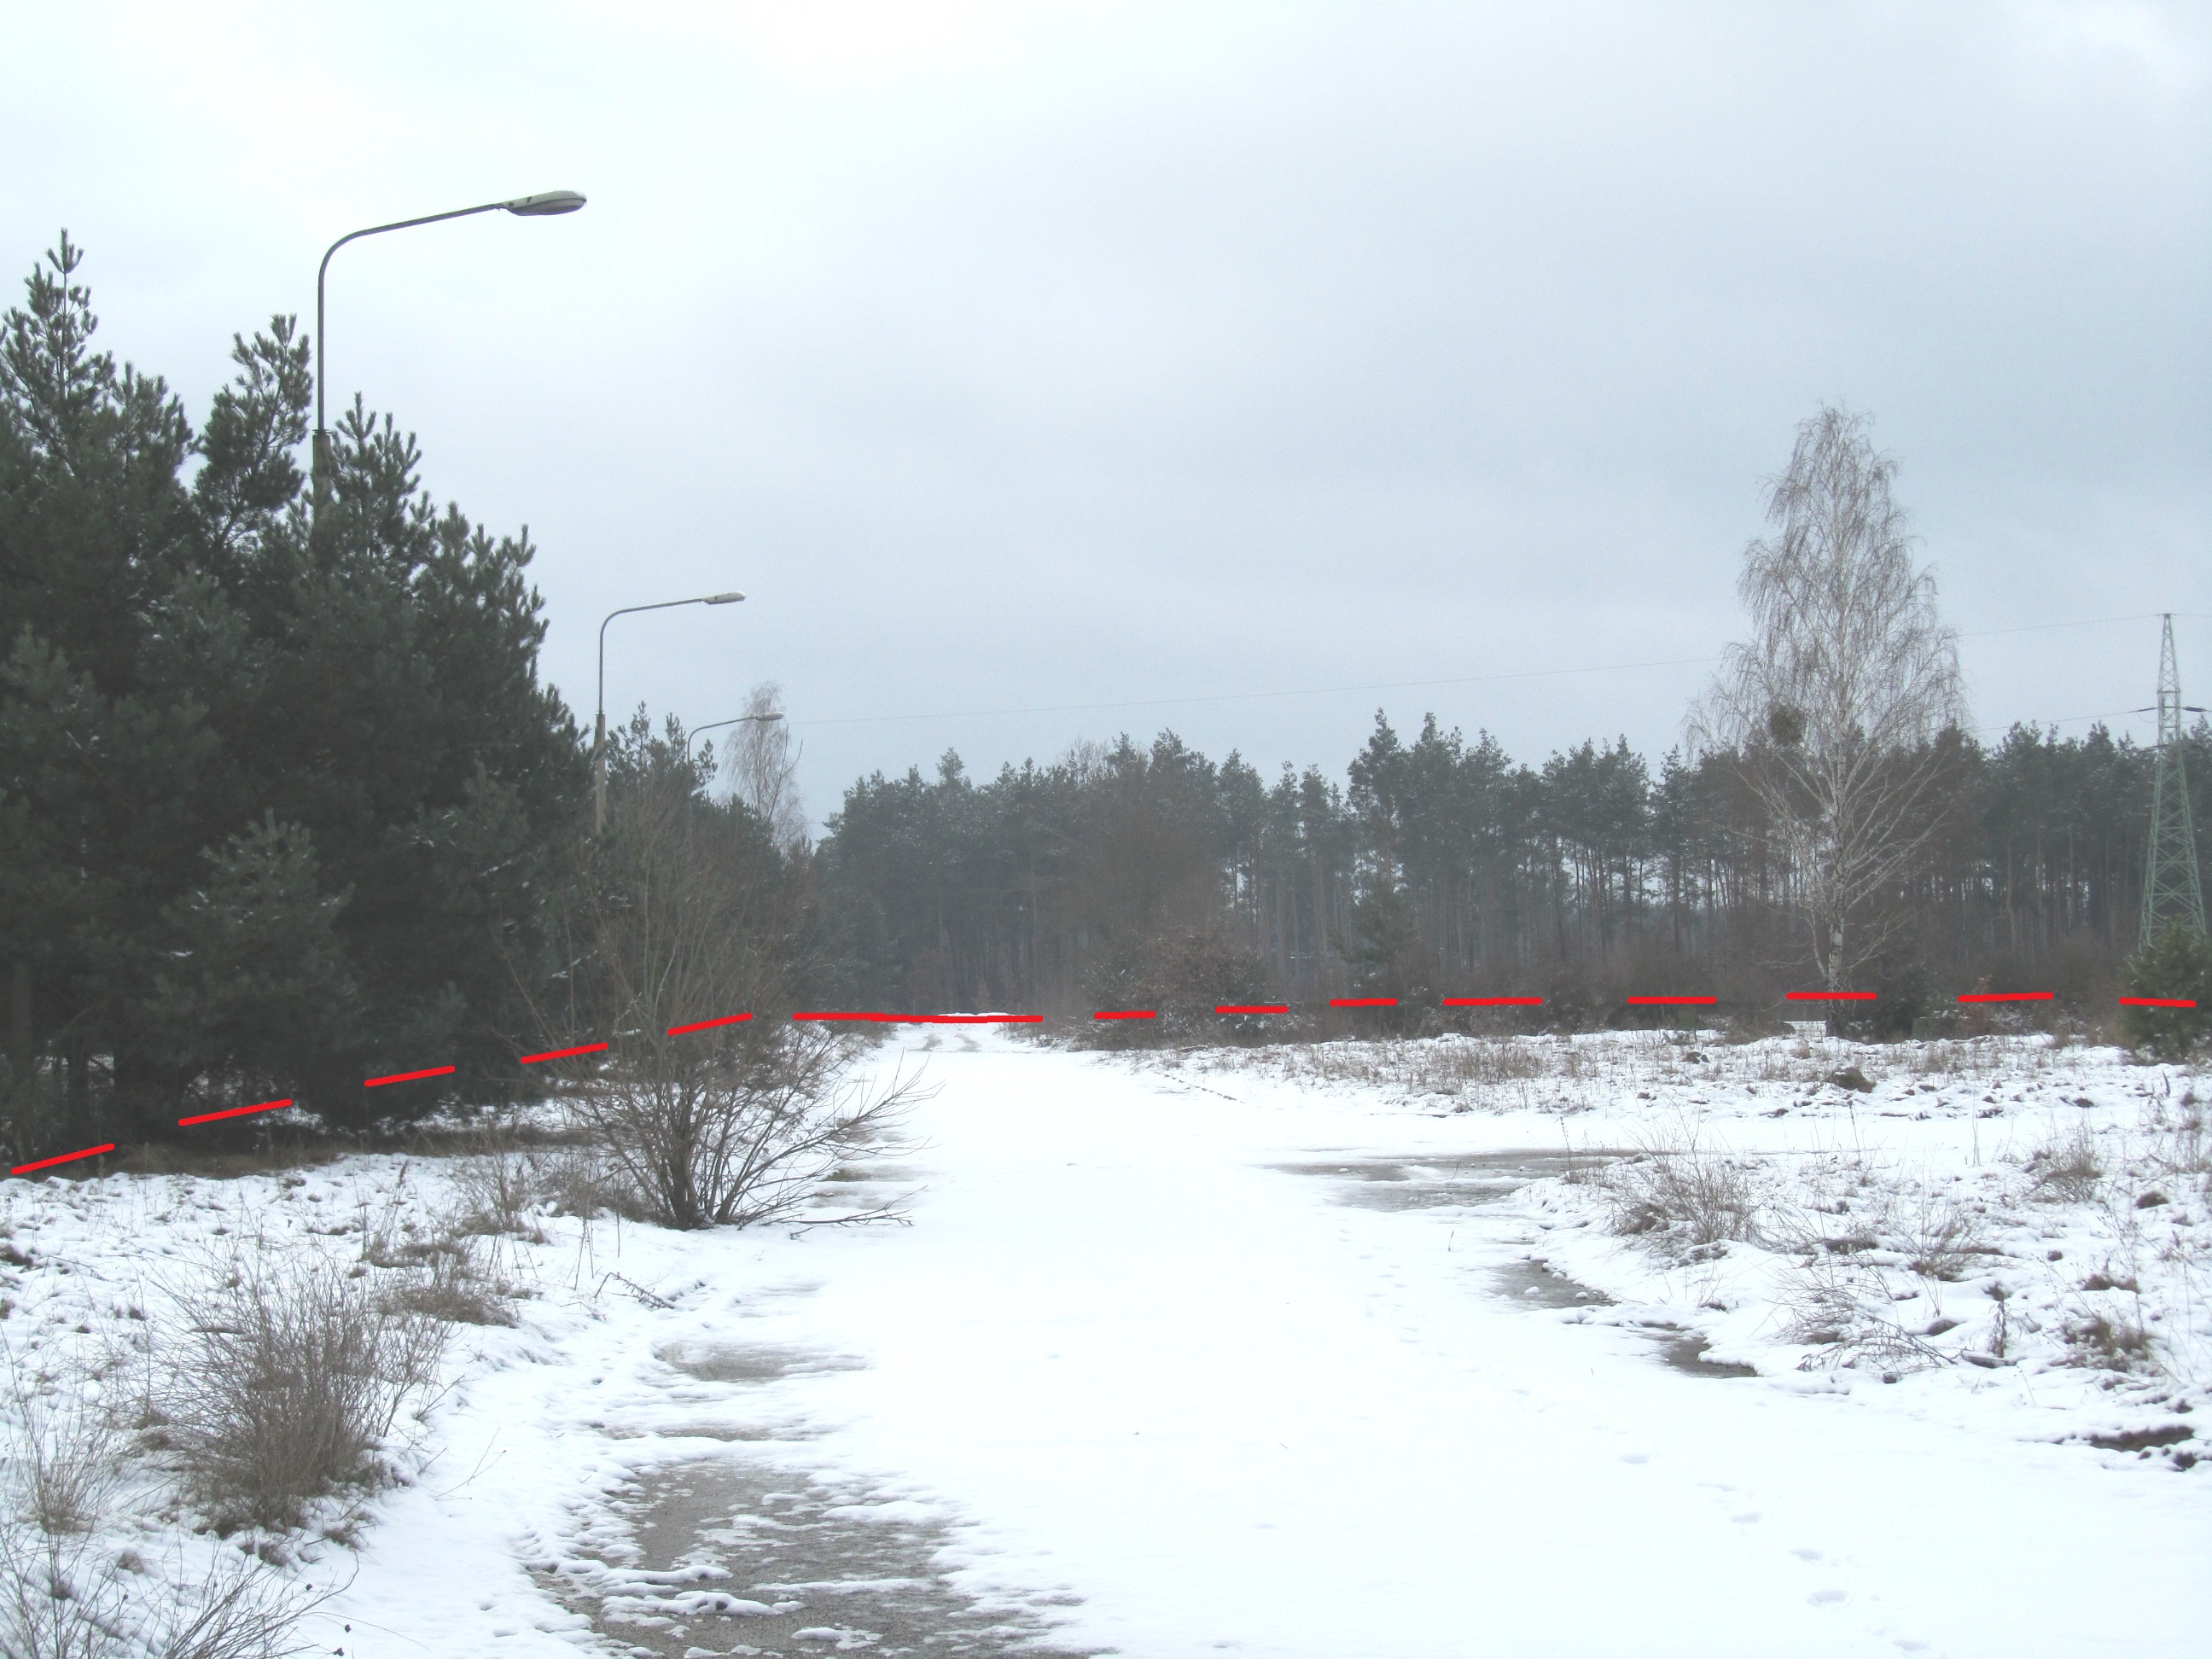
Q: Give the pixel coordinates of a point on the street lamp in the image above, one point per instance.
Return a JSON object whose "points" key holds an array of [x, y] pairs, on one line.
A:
{"points": [[599, 729], [542, 206]]}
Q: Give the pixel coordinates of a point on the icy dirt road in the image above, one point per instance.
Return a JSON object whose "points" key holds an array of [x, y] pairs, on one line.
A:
{"points": [[1178, 1398]]}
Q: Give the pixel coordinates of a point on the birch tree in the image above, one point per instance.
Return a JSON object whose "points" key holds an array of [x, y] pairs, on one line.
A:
{"points": [[1843, 707]]}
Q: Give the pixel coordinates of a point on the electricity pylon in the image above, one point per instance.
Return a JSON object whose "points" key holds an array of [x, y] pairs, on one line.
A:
{"points": [[2172, 890]]}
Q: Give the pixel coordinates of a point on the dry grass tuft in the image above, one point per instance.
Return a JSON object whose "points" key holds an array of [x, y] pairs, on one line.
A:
{"points": [[2068, 1166], [1694, 1197], [281, 1378]]}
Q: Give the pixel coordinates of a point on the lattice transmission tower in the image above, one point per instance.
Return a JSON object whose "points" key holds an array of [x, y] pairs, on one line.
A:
{"points": [[2173, 891]]}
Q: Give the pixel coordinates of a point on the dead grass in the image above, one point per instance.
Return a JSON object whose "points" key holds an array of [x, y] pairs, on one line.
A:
{"points": [[1842, 1310], [278, 1382], [2068, 1166], [62, 1599], [2108, 1342], [1694, 1197], [451, 1281], [274, 1156]]}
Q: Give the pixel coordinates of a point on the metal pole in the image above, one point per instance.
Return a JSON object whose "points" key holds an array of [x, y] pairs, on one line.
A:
{"points": [[600, 725], [539, 206]]}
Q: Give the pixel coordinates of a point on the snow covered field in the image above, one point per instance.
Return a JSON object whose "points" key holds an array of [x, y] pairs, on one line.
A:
{"points": [[1335, 1350]]}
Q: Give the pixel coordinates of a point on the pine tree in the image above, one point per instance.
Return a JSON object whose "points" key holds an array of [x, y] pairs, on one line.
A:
{"points": [[283, 796], [2177, 965]]}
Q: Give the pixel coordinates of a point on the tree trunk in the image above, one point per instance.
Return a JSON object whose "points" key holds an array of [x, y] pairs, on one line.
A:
{"points": [[22, 1038]]}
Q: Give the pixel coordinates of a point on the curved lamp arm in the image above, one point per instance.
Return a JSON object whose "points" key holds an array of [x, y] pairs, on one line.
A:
{"points": [[542, 204]]}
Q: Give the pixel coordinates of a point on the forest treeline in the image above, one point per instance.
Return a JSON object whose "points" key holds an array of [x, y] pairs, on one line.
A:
{"points": [[284, 807], [1441, 867]]}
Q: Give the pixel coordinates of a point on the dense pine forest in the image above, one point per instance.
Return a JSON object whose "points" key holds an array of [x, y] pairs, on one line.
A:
{"points": [[1443, 866]]}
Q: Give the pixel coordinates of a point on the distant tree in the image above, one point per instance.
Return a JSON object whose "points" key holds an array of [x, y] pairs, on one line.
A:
{"points": [[2176, 966], [762, 768], [1844, 707]]}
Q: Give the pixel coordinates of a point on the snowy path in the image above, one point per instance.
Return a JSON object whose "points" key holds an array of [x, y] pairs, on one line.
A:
{"points": [[1129, 1358]]}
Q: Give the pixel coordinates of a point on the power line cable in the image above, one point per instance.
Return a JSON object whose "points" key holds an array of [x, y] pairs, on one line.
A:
{"points": [[1416, 685]]}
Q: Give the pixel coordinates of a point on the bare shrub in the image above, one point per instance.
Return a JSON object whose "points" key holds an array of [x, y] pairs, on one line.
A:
{"points": [[2179, 1144], [284, 1378], [1695, 1197], [686, 910], [2068, 1166], [56, 1603], [733, 1137], [498, 1190]]}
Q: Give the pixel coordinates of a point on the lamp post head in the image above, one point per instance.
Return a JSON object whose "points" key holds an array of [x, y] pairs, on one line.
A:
{"points": [[545, 203], [722, 598]]}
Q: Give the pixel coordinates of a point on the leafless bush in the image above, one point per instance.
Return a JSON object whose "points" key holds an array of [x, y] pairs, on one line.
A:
{"points": [[683, 911], [281, 1378], [1693, 1196], [2068, 1166], [2179, 1144], [728, 1138], [56, 1601], [1417, 1067]]}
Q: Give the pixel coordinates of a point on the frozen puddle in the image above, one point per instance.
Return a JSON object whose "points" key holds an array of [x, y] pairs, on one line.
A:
{"points": [[742, 1557], [751, 1362], [1412, 1183]]}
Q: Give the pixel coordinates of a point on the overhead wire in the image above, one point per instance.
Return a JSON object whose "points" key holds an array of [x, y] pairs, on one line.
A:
{"points": [[1457, 679]]}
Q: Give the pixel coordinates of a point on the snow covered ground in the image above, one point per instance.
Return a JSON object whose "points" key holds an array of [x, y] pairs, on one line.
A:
{"points": [[1250, 1351]]}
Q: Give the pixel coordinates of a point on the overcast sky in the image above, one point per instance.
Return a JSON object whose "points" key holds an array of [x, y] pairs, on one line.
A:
{"points": [[1120, 363]]}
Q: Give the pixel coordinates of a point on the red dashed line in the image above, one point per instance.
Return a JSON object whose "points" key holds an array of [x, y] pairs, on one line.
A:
{"points": [[2008, 996], [702, 1024], [1493, 1002], [1671, 1002], [562, 1053], [2157, 1002], [1363, 1002], [1830, 996], [1126, 1014], [1252, 1008], [66, 1157], [406, 1076], [235, 1111]]}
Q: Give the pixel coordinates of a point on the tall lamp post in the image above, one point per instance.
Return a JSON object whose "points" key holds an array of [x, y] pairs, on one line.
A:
{"points": [[599, 729], [540, 206]]}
